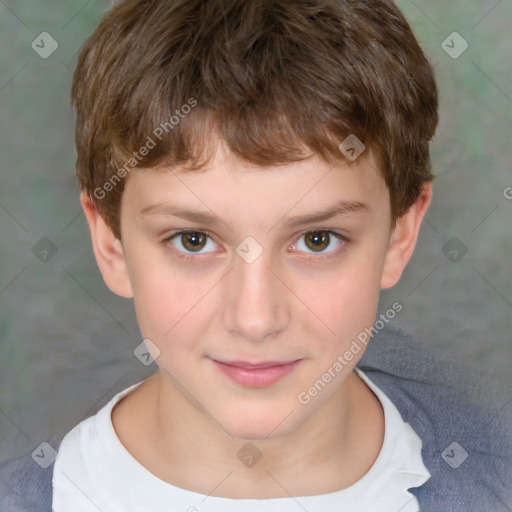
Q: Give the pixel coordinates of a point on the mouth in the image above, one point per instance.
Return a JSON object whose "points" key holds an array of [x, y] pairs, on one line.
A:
{"points": [[254, 366], [256, 375]]}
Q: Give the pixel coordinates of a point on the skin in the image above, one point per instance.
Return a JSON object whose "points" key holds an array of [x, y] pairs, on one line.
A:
{"points": [[187, 422]]}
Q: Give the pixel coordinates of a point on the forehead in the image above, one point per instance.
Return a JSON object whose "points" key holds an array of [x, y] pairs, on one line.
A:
{"points": [[237, 189]]}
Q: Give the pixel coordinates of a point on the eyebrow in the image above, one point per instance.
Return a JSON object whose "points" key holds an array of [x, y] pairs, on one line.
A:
{"points": [[340, 208]]}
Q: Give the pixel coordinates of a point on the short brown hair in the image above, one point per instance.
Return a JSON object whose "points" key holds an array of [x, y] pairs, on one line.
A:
{"points": [[276, 80]]}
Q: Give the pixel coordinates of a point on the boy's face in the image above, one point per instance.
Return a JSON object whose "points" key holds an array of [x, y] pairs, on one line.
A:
{"points": [[303, 298]]}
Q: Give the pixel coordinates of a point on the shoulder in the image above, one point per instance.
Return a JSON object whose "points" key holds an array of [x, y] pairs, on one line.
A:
{"points": [[25, 485], [467, 441]]}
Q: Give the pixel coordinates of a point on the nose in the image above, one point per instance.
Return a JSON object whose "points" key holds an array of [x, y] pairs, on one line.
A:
{"points": [[256, 304]]}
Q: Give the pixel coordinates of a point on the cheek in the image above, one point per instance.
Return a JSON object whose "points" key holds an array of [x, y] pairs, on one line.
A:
{"points": [[345, 312], [347, 308], [165, 299], [346, 300], [163, 314]]}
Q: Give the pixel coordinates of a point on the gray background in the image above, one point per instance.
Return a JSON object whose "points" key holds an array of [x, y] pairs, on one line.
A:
{"points": [[67, 342]]}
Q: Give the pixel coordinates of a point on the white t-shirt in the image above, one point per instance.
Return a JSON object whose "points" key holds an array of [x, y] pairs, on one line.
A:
{"points": [[94, 472]]}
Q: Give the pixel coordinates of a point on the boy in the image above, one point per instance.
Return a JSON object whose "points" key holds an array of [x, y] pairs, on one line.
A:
{"points": [[253, 173]]}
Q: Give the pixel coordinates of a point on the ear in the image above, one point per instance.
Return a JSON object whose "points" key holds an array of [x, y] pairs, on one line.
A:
{"points": [[403, 238], [107, 250]]}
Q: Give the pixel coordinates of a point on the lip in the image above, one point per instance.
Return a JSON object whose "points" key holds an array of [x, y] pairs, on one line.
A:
{"points": [[253, 366], [256, 375]]}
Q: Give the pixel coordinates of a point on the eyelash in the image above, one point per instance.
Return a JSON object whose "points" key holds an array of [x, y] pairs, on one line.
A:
{"points": [[314, 258]]}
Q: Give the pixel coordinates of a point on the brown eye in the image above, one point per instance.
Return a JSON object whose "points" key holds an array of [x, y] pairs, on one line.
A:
{"points": [[187, 242], [193, 241], [319, 240]]}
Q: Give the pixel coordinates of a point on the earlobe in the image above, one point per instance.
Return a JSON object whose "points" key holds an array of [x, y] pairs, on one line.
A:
{"points": [[404, 237], [108, 251]]}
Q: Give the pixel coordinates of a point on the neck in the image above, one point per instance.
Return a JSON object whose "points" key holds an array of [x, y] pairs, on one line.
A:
{"points": [[332, 449]]}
